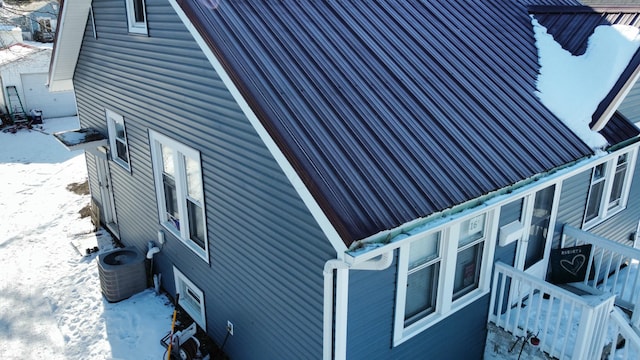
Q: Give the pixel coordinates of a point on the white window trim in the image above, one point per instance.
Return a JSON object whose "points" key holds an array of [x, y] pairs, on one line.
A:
{"points": [[156, 139], [445, 305], [183, 287], [137, 27], [112, 119], [604, 212]]}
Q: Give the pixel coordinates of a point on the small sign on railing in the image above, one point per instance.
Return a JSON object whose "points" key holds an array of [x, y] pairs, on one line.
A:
{"points": [[569, 264]]}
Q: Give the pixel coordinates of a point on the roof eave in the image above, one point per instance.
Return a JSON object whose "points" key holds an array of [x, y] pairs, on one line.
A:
{"points": [[72, 20], [614, 98]]}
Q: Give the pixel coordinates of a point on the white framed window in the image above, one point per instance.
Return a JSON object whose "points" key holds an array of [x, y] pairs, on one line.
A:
{"points": [[609, 188], [137, 16], [191, 298], [179, 190], [118, 139], [441, 272]]}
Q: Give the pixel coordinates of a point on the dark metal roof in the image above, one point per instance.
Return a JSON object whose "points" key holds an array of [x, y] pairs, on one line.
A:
{"points": [[392, 110], [619, 129], [571, 26]]}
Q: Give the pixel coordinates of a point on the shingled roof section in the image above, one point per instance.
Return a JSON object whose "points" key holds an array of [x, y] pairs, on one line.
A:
{"points": [[391, 110]]}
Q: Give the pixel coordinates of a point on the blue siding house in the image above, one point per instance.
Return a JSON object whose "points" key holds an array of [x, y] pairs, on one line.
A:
{"points": [[37, 19], [337, 179]]}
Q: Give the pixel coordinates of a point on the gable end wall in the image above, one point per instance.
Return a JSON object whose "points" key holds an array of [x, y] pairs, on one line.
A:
{"points": [[266, 251]]}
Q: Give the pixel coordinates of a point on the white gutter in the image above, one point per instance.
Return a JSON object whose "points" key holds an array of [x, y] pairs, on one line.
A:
{"points": [[338, 351]]}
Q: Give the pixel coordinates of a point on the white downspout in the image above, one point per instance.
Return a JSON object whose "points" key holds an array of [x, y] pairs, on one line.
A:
{"points": [[342, 302]]}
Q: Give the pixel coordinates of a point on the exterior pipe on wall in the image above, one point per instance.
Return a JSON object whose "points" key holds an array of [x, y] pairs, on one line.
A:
{"points": [[339, 350]]}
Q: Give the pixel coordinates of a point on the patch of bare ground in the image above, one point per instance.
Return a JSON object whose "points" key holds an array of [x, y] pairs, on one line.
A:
{"points": [[79, 188], [85, 211]]}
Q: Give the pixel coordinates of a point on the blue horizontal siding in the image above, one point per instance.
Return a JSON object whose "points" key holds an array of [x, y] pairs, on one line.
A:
{"points": [[266, 251], [370, 329]]}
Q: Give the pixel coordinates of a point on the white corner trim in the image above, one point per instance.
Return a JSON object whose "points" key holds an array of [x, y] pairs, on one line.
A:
{"points": [[313, 206]]}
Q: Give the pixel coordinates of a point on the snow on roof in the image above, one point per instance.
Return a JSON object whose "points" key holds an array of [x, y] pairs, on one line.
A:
{"points": [[83, 138], [571, 86]]}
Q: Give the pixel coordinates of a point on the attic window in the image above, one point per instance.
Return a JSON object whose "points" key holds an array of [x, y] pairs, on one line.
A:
{"points": [[137, 16]]}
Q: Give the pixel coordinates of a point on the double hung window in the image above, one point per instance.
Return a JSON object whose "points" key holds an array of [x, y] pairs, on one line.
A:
{"points": [[422, 277], [609, 188], [179, 190], [439, 273], [118, 139], [469, 256]]}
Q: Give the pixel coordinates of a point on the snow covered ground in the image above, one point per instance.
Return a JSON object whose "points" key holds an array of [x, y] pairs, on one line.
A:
{"points": [[51, 306]]}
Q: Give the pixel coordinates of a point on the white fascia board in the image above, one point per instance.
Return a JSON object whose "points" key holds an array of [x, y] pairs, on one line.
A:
{"points": [[61, 85], [389, 240], [304, 193], [70, 32]]}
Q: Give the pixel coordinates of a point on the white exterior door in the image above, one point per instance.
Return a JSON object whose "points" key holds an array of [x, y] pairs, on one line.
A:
{"points": [[538, 216], [106, 195], [534, 246]]}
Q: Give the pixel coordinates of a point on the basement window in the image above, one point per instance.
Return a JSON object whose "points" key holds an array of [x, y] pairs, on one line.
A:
{"points": [[137, 16], [191, 298]]}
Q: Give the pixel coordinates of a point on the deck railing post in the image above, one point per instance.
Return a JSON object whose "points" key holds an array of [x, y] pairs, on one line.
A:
{"points": [[635, 318], [584, 336]]}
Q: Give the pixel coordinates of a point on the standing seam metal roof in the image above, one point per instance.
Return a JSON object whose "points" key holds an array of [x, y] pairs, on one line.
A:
{"points": [[392, 110]]}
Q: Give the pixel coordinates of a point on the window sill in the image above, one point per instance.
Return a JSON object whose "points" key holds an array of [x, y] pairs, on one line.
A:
{"points": [[139, 29], [202, 253], [122, 164], [597, 221]]}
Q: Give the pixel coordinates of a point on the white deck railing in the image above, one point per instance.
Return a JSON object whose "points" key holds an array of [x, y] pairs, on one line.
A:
{"points": [[622, 341], [568, 326], [614, 267]]}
